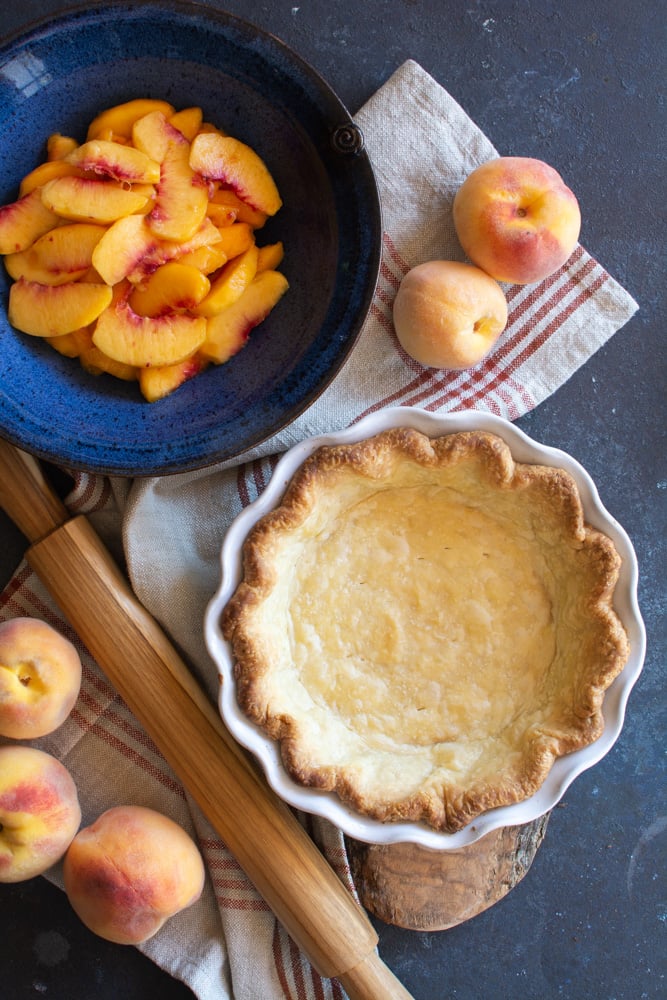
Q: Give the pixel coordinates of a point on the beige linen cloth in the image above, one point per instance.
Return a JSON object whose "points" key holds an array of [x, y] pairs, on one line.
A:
{"points": [[422, 146]]}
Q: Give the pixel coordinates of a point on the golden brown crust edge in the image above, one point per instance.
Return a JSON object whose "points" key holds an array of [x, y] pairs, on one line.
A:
{"points": [[372, 458]]}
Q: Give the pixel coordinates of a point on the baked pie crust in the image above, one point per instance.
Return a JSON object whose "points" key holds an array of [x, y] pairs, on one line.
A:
{"points": [[426, 625]]}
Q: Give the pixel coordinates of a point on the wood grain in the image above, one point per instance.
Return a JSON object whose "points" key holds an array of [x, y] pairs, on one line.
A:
{"points": [[419, 889], [268, 842], [402, 884], [270, 845]]}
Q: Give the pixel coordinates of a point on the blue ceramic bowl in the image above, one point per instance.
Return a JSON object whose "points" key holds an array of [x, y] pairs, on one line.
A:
{"points": [[56, 77]]}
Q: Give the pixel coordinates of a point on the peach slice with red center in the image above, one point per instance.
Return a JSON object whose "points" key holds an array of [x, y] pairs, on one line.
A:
{"points": [[228, 331], [24, 221], [83, 199], [140, 341], [112, 159], [156, 383], [230, 284], [119, 120], [50, 310], [129, 248], [63, 254], [181, 196], [223, 158], [163, 251], [173, 286]]}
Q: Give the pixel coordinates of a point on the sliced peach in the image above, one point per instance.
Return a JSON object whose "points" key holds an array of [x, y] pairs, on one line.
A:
{"points": [[125, 243], [230, 284], [188, 121], [58, 146], [46, 172], [223, 158], [95, 362], [130, 249], [226, 198], [233, 240], [172, 286], [112, 159], [149, 191], [206, 259], [24, 221], [156, 383], [120, 119], [181, 196], [86, 200], [153, 134], [221, 215], [228, 331], [166, 250], [146, 340], [270, 256], [49, 310], [71, 345], [63, 254]]}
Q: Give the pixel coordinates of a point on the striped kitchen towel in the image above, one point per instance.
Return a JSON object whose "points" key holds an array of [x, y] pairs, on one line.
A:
{"points": [[170, 529]]}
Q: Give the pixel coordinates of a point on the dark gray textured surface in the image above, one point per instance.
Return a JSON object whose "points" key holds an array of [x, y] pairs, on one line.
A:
{"points": [[580, 85]]}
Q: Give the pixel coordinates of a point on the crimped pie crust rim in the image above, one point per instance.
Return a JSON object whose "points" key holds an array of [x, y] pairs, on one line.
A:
{"points": [[411, 441]]}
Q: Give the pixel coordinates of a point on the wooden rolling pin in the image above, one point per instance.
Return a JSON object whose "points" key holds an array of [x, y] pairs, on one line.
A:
{"points": [[270, 845]]}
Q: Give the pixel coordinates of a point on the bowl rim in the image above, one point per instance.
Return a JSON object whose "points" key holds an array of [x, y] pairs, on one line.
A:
{"points": [[565, 769], [160, 457]]}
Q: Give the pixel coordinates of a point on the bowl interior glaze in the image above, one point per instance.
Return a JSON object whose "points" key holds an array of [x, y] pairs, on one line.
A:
{"points": [[55, 78]]}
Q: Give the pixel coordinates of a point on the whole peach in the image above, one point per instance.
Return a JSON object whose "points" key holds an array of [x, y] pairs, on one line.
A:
{"points": [[131, 870], [448, 315], [40, 678], [39, 812], [516, 219]]}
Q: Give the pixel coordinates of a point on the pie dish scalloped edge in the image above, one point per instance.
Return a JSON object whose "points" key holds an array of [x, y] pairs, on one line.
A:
{"points": [[565, 769]]}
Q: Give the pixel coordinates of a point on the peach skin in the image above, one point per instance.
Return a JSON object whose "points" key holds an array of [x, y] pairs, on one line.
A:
{"points": [[448, 315], [516, 219], [131, 870], [40, 678], [39, 812]]}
